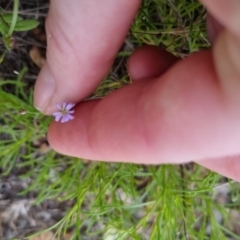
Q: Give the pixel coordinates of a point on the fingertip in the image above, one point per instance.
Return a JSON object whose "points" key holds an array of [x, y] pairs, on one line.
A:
{"points": [[149, 62], [71, 138], [228, 166], [44, 89]]}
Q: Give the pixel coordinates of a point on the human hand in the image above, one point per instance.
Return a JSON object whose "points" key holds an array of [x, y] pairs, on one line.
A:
{"points": [[174, 112]]}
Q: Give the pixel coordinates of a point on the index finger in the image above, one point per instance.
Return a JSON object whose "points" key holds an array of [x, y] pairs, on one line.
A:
{"points": [[180, 116]]}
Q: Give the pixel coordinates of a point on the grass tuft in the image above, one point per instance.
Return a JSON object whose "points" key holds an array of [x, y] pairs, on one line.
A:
{"points": [[119, 201]]}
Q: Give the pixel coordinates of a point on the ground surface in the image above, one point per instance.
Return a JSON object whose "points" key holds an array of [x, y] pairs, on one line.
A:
{"points": [[39, 188]]}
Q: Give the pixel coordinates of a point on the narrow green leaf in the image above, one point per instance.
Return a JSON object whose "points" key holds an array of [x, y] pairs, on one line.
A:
{"points": [[3, 26], [7, 17], [14, 17], [25, 25], [3, 56]]}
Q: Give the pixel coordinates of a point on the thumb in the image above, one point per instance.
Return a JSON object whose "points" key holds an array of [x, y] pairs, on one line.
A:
{"points": [[226, 12], [82, 44], [226, 50]]}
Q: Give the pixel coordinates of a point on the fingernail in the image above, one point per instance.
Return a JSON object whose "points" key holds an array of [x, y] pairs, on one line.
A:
{"points": [[44, 89]]}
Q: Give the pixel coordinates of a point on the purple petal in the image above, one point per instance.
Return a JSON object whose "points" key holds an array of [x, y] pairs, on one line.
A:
{"points": [[58, 106], [71, 112], [65, 118], [56, 113], [69, 106], [57, 116], [70, 117], [64, 105]]}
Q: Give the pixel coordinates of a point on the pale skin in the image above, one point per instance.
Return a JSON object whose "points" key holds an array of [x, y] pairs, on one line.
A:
{"points": [[175, 111]]}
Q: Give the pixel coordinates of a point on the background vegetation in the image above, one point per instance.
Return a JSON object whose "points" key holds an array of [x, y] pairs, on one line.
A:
{"points": [[110, 201]]}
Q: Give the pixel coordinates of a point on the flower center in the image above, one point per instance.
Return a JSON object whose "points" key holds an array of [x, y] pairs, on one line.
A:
{"points": [[64, 112]]}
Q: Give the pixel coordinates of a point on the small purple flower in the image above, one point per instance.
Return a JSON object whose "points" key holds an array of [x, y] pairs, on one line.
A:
{"points": [[65, 112]]}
